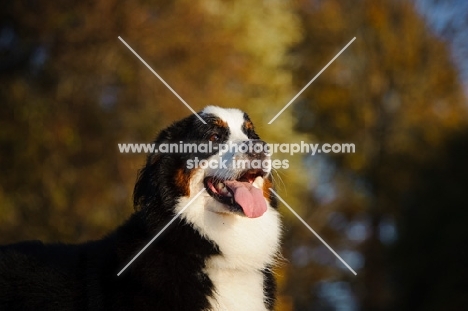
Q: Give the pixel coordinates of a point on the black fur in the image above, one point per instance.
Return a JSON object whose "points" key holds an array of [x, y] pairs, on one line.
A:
{"points": [[269, 287], [167, 276]]}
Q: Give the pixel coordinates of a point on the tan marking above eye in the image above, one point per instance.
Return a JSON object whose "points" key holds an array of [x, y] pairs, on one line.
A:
{"points": [[220, 123]]}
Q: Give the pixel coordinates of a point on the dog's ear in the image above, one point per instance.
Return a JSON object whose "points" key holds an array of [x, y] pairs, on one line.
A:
{"points": [[155, 189], [145, 182], [157, 176]]}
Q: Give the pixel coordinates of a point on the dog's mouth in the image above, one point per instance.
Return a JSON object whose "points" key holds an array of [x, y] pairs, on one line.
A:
{"points": [[242, 195]]}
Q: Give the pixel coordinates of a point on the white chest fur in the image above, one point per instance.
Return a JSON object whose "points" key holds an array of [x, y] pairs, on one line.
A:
{"points": [[236, 289], [246, 245]]}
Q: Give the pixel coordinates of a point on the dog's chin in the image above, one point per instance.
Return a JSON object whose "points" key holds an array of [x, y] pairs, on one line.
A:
{"points": [[242, 196]]}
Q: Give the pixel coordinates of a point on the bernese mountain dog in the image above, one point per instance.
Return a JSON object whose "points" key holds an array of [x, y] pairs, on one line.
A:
{"points": [[217, 255]]}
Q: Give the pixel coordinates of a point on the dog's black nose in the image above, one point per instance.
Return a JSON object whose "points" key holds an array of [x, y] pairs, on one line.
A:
{"points": [[257, 149]]}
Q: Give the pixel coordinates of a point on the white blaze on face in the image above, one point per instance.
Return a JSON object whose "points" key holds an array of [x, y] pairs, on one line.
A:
{"points": [[233, 117], [235, 120]]}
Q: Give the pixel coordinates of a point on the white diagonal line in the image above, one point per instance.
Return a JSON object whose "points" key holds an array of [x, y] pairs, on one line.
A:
{"points": [[162, 80], [316, 76], [312, 230], [160, 232]]}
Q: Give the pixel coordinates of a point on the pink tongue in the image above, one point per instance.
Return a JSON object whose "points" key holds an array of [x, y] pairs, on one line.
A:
{"points": [[248, 197]]}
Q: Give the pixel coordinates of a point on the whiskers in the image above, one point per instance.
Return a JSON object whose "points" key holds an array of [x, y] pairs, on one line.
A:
{"points": [[277, 179]]}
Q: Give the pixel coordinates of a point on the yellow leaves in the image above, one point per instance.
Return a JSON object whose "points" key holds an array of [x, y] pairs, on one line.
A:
{"points": [[332, 11], [377, 15]]}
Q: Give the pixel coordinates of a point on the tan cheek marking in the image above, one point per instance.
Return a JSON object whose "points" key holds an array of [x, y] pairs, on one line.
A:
{"points": [[182, 181], [267, 184]]}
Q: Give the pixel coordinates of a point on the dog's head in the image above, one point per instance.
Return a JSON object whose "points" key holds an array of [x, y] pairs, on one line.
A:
{"points": [[227, 160], [225, 156]]}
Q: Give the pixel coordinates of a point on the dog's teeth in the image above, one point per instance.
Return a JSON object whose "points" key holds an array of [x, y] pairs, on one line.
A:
{"points": [[220, 186], [225, 191], [258, 182]]}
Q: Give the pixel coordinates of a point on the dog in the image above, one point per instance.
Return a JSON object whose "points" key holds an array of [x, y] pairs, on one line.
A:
{"points": [[218, 254]]}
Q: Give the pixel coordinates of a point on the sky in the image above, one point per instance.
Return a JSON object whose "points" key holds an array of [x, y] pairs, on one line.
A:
{"points": [[449, 20]]}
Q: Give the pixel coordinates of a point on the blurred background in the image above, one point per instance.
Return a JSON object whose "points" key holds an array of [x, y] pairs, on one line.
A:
{"points": [[395, 210]]}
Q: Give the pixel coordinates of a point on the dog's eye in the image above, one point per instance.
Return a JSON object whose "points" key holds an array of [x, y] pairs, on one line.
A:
{"points": [[215, 137]]}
